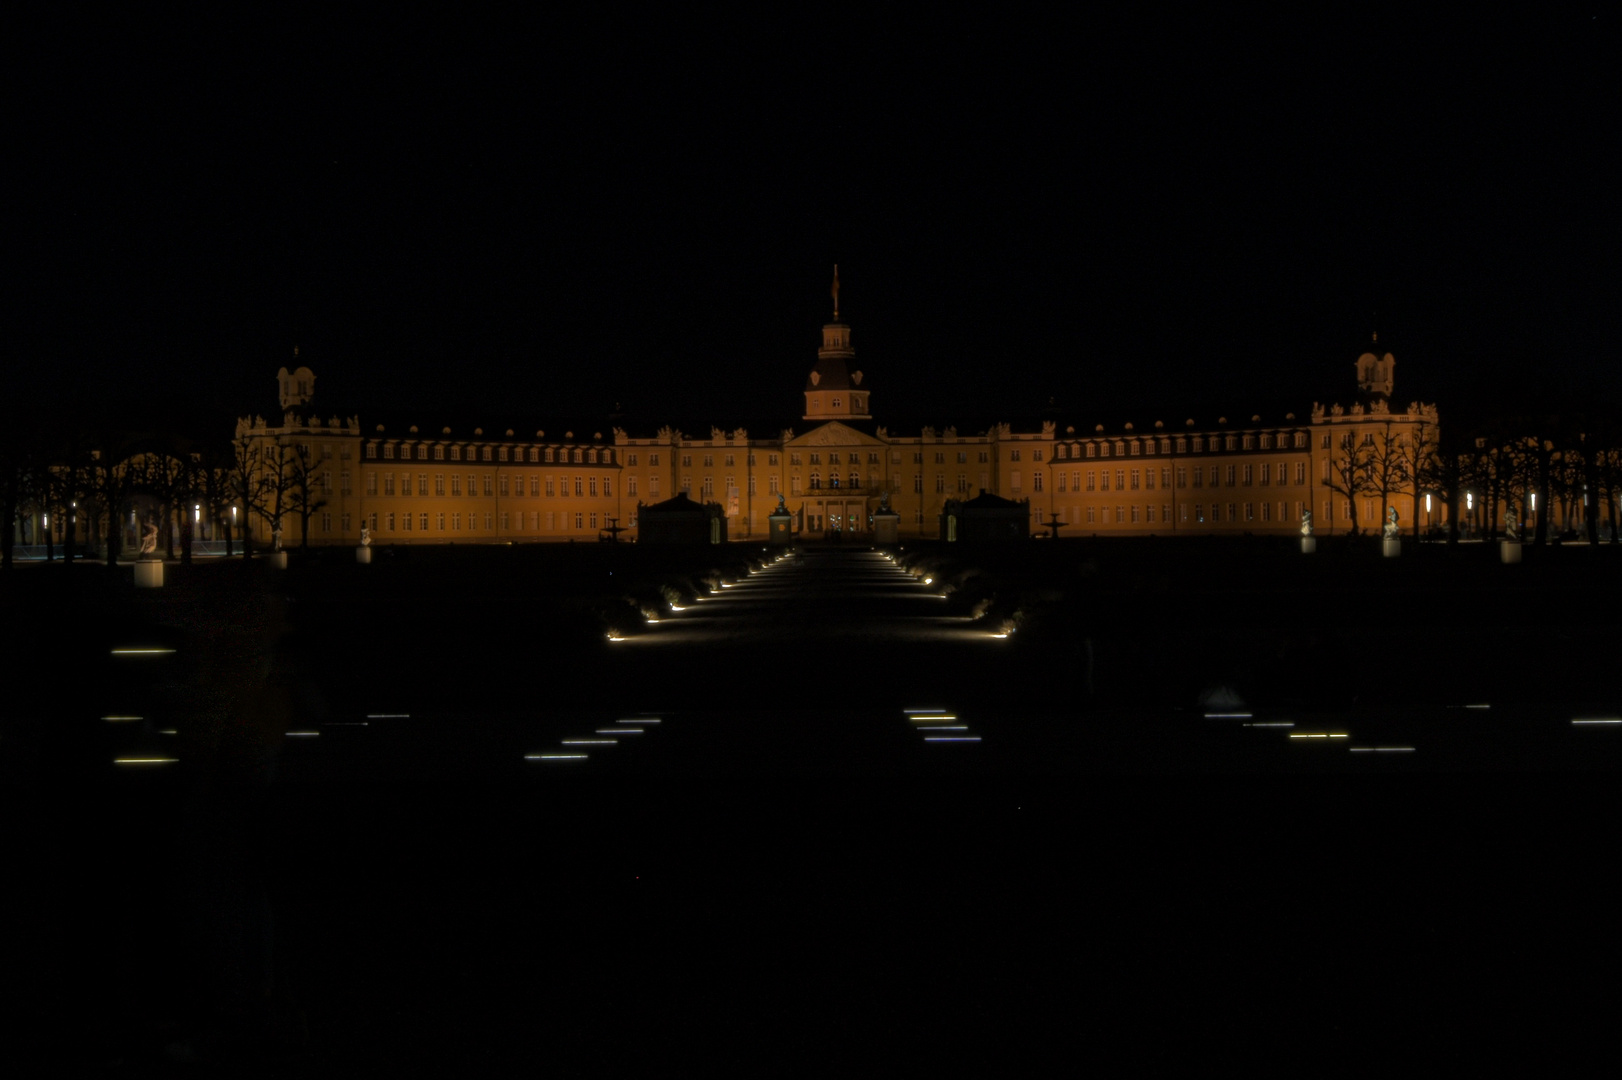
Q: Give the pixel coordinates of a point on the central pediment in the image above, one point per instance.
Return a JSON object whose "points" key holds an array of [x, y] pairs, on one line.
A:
{"points": [[834, 433]]}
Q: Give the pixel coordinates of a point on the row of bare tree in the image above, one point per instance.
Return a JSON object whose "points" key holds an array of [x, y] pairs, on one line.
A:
{"points": [[1572, 465], [93, 478]]}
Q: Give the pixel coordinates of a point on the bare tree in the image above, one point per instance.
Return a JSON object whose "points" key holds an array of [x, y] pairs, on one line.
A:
{"points": [[1419, 452], [1387, 467], [1349, 473], [245, 483], [305, 495], [113, 477]]}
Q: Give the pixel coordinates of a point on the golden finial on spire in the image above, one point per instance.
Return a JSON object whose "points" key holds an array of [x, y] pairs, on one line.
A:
{"points": [[836, 292]]}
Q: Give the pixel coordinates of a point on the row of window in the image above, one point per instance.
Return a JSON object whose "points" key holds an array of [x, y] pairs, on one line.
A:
{"points": [[551, 486], [551, 521], [1267, 473], [1199, 443], [1196, 513], [535, 454]]}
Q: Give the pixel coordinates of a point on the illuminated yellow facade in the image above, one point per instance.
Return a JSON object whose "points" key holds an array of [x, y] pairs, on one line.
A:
{"points": [[438, 486]]}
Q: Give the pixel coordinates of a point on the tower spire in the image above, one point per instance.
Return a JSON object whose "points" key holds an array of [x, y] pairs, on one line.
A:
{"points": [[835, 292]]}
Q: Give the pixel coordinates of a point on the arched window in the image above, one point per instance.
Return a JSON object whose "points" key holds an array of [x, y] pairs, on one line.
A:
{"points": [[816, 481]]}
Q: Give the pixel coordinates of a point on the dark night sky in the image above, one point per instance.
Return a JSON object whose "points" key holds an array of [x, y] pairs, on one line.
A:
{"points": [[1138, 218]]}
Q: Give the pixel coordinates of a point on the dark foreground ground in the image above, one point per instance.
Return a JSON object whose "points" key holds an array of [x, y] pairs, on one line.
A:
{"points": [[780, 874]]}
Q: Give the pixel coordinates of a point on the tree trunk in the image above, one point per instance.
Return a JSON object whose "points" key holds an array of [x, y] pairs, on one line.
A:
{"points": [[115, 538], [1542, 534], [247, 539], [7, 535], [230, 538], [1453, 518], [185, 540]]}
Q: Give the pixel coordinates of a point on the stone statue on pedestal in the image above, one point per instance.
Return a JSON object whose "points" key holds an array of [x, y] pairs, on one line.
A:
{"points": [[276, 538], [1512, 523], [149, 539], [1391, 531], [1306, 523], [365, 536]]}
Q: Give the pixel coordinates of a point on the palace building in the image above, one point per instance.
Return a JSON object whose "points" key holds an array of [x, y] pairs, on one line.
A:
{"points": [[436, 484]]}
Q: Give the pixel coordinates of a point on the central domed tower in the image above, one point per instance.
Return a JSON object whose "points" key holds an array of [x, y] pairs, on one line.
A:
{"points": [[833, 391]]}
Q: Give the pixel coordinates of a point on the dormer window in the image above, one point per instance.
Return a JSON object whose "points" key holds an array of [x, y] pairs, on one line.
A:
{"points": [[835, 403]]}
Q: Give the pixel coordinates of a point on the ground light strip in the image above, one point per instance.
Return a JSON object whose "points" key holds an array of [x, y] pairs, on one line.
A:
{"points": [[627, 725], [926, 722]]}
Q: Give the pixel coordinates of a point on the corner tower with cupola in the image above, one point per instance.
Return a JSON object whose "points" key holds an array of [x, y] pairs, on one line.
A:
{"points": [[834, 391]]}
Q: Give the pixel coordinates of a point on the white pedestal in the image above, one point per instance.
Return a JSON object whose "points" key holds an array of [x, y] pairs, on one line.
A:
{"points": [[1509, 551], [1309, 544], [277, 560], [1391, 548], [363, 555], [149, 574]]}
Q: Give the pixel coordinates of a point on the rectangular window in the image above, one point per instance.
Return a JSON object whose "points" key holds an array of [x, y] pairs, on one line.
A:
{"points": [[487, 483], [388, 483], [423, 519], [592, 481], [608, 487], [630, 486], [1061, 484], [371, 483], [1036, 481], [1137, 478], [1120, 479], [1267, 511], [488, 524], [1231, 512], [1013, 482], [456, 522], [687, 484], [580, 521], [405, 522], [940, 485], [390, 520], [1120, 515], [1250, 475], [439, 522], [1090, 478], [1300, 472], [326, 522], [579, 485], [1091, 510], [1249, 515], [1230, 475], [1134, 508], [439, 483], [345, 520], [1149, 513], [504, 521], [502, 486], [751, 484]]}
